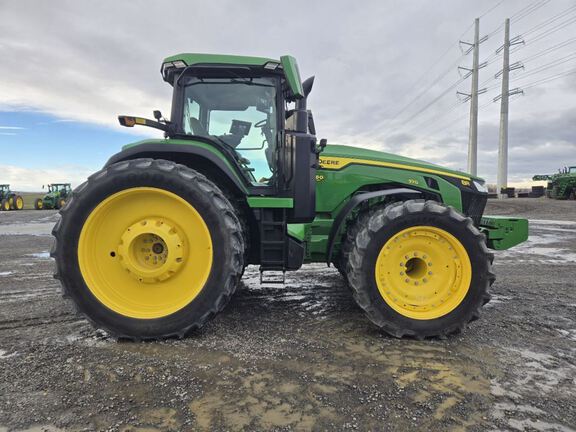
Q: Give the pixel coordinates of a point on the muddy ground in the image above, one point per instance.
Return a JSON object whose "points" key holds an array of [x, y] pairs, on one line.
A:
{"points": [[297, 357]]}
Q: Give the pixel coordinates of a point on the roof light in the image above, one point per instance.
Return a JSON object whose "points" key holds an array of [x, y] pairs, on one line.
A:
{"points": [[179, 64], [167, 65], [271, 65]]}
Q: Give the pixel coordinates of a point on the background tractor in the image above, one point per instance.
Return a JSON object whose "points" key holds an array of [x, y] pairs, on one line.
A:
{"points": [[561, 185], [10, 200], [155, 243], [56, 197]]}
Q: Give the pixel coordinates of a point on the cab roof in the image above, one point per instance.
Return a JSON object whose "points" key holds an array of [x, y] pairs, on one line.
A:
{"points": [[287, 64], [198, 58]]}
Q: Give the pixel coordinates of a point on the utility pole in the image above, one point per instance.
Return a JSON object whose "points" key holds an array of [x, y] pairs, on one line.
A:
{"points": [[473, 131], [473, 97], [502, 179]]}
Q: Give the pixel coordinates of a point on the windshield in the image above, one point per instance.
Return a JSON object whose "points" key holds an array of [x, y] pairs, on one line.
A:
{"points": [[237, 112], [572, 170]]}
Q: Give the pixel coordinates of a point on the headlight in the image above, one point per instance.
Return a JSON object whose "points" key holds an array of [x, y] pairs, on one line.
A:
{"points": [[480, 186]]}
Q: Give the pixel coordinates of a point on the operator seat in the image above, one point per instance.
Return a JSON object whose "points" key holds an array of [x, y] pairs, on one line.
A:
{"points": [[197, 128]]}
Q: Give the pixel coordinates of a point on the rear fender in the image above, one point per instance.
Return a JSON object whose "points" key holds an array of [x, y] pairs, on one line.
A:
{"points": [[214, 166]]}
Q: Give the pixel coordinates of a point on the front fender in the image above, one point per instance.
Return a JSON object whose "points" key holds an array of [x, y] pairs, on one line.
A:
{"points": [[354, 202]]}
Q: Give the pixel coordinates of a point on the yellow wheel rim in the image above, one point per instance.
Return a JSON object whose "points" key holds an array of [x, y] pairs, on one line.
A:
{"points": [[423, 272], [145, 253], [19, 203]]}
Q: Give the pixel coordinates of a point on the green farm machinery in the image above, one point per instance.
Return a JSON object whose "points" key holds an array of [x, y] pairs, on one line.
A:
{"points": [[561, 185], [10, 200], [155, 243], [56, 197]]}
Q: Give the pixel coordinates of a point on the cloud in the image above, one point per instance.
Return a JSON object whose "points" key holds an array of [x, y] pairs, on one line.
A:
{"points": [[31, 180], [89, 63]]}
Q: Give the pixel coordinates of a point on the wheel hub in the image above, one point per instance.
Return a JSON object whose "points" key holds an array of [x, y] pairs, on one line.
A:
{"points": [[151, 250], [423, 272]]}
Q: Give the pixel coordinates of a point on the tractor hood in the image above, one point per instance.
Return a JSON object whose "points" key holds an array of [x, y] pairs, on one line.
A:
{"points": [[344, 155]]}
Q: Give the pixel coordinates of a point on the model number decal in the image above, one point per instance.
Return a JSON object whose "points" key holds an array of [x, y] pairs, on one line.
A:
{"points": [[413, 181], [319, 178], [465, 182]]}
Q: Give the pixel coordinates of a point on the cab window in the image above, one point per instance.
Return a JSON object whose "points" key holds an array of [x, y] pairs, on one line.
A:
{"points": [[239, 113]]}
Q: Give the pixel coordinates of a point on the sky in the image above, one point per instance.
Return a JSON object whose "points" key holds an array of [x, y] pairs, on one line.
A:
{"points": [[386, 76]]}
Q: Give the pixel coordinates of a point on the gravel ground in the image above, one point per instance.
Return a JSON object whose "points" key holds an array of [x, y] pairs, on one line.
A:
{"points": [[297, 357]]}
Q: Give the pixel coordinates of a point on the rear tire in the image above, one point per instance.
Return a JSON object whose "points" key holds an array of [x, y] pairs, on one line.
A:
{"points": [[415, 296], [105, 275]]}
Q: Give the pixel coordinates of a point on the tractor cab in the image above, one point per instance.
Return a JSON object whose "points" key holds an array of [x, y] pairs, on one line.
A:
{"points": [[4, 190], [252, 110], [60, 189]]}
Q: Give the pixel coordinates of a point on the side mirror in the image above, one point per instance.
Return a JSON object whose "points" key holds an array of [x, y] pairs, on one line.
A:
{"points": [[42, 186], [157, 115], [321, 145]]}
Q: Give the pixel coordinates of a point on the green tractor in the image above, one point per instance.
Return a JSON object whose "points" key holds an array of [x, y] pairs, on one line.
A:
{"points": [[56, 197], [561, 185], [10, 200], [155, 243]]}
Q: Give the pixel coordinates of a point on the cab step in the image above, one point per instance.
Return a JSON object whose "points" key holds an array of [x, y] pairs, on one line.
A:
{"points": [[272, 276]]}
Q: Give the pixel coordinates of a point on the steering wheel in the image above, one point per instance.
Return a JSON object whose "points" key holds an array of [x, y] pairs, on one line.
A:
{"points": [[261, 123]]}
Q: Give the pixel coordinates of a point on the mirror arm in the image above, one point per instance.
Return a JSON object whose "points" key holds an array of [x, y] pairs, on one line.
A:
{"points": [[129, 121]]}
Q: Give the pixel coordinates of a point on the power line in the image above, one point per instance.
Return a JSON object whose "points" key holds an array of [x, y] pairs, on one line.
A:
{"points": [[430, 86], [553, 30], [552, 64], [550, 20], [548, 50], [437, 98], [530, 9], [549, 78], [450, 121], [435, 81], [491, 9]]}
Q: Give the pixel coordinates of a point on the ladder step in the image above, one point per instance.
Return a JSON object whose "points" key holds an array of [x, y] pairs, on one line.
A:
{"points": [[278, 276]]}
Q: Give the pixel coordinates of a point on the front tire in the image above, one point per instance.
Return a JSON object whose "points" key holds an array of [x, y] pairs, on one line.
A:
{"points": [[18, 202], [38, 204], [5, 205], [148, 249], [419, 269]]}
